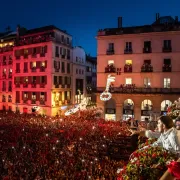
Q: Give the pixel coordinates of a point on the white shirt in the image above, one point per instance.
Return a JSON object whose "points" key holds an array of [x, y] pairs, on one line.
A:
{"points": [[169, 141], [152, 134]]}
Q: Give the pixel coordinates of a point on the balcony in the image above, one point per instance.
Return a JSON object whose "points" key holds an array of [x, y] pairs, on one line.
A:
{"points": [[42, 69], [34, 55], [9, 99], [3, 99], [33, 85], [33, 101], [128, 68], [10, 62], [25, 56], [17, 70], [110, 52], [147, 50], [25, 70], [42, 85], [139, 90], [146, 68], [166, 68], [56, 69], [25, 100], [4, 75], [110, 69], [128, 51], [18, 57], [56, 86], [25, 85], [33, 69], [10, 76], [63, 86], [63, 56], [10, 89], [167, 49], [3, 89], [56, 55], [42, 54], [18, 85], [42, 101]]}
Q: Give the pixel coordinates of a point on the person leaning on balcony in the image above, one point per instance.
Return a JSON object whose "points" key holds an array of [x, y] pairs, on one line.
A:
{"points": [[169, 135]]}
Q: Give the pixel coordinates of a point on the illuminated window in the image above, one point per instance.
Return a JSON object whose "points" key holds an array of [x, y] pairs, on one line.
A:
{"points": [[10, 70], [43, 64], [147, 82], [25, 51], [26, 79], [167, 82], [110, 62], [128, 80], [128, 62], [34, 64]]}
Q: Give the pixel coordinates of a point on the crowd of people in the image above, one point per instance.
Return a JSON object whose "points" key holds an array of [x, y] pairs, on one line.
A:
{"points": [[74, 147]]}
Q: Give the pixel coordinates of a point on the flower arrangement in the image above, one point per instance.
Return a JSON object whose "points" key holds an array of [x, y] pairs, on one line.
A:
{"points": [[146, 164], [174, 109]]}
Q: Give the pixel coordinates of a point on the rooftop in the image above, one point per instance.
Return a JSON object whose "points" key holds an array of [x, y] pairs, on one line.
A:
{"points": [[161, 24]]}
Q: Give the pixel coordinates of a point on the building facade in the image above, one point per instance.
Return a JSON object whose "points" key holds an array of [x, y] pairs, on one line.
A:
{"points": [[79, 74], [41, 71], [91, 77], [145, 63]]}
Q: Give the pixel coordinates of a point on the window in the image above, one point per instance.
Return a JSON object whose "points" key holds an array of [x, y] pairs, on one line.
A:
{"points": [[57, 50], [147, 44], [79, 71], [76, 71], [148, 62], [67, 40], [128, 45], [128, 62], [25, 51], [63, 67], [167, 43], [167, 61], [34, 51], [68, 68], [167, 82], [147, 82], [76, 59], [62, 38], [111, 46], [42, 50], [55, 80], [34, 64], [128, 81], [110, 62]]}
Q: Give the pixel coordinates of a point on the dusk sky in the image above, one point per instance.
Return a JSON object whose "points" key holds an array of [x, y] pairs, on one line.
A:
{"points": [[82, 19]]}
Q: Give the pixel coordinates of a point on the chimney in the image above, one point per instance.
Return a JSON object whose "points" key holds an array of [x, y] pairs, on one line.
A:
{"points": [[120, 22], [176, 19]]}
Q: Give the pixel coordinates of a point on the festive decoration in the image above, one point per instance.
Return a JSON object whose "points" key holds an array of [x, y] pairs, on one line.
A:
{"points": [[174, 109], [146, 164], [106, 95], [81, 106]]}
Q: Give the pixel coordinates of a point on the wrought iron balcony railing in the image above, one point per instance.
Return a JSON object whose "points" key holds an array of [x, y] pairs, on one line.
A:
{"points": [[140, 90]]}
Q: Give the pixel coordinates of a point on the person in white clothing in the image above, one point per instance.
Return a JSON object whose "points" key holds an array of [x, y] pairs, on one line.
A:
{"points": [[168, 138]]}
